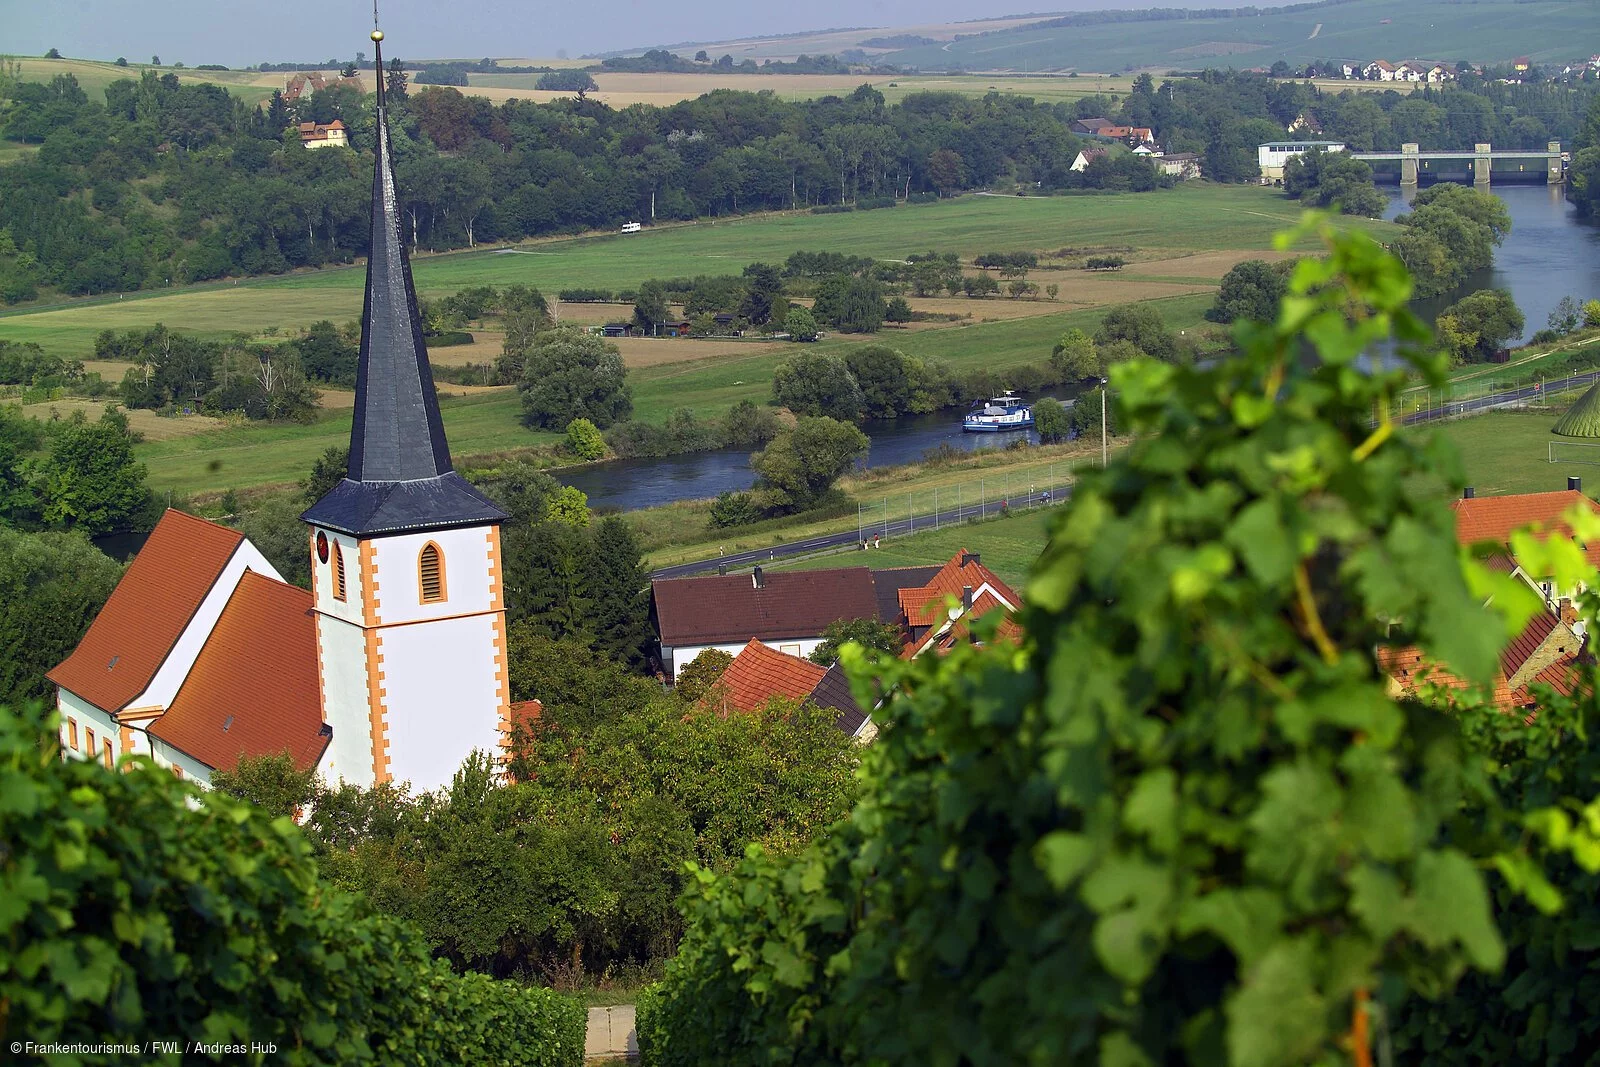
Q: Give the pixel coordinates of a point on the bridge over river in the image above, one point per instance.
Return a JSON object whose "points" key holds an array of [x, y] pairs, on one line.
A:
{"points": [[1480, 161]]}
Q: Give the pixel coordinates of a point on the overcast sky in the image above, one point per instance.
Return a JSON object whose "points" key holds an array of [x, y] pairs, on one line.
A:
{"points": [[240, 34]]}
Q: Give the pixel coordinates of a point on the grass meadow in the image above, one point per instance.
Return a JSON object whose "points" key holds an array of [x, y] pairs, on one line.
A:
{"points": [[1181, 241], [1008, 546]]}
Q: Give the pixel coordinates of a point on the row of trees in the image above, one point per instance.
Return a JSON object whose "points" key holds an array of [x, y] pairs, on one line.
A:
{"points": [[164, 183]]}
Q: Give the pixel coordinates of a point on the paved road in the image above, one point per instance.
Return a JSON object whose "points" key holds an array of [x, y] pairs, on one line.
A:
{"points": [[894, 528], [1501, 399], [611, 1034]]}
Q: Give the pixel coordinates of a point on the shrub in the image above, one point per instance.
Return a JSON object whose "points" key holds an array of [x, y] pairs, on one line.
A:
{"points": [[449, 338], [584, 440], [137, 904], [831, 209], [872, 203], [734, 509], [1104, 263]]}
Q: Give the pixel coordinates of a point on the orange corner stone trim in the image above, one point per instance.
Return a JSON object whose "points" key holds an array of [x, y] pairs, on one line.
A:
{"points": [[501, 652]]}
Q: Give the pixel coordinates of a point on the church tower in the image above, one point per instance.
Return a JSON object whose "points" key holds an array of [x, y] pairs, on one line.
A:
{"points": [[405, 553]]}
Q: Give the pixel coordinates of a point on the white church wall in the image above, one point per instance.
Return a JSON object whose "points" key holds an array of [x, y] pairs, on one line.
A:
{"points": [[467, 583], [345, 702], [322, 585], [442, 695], [169, 677]]}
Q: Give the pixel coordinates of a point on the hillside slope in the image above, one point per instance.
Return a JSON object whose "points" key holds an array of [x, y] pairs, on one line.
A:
{"points": [[1483, 31]]}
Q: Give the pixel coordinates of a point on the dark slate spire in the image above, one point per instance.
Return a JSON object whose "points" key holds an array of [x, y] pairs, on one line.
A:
{"points": [[400, 474]]}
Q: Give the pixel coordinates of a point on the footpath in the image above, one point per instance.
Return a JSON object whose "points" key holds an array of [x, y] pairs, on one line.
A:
{"points": [[611, 1035]]}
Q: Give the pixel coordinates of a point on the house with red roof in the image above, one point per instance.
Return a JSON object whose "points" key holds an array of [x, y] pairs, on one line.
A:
{"points": [[940, 613], [201, 655], [324, 135], [758, 675], [1495, 518]]}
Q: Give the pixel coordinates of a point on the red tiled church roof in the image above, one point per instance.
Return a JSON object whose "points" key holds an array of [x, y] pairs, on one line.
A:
{"points": [[148, 611], [253, 690]]}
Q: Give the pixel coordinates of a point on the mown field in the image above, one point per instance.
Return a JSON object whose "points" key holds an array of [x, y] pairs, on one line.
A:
{"points": [[1509, 452], [1179, 222], [1481, 31]]}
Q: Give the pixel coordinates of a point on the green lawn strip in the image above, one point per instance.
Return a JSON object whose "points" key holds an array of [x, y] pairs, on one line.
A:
{"points": [[1509, 451], [682, 532], [1008, 546]]}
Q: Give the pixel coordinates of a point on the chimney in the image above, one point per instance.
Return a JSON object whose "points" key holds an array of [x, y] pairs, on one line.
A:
{"points": [[966, 597], [722, 568], [1575, 483], [758, 578], [1468, 493]]}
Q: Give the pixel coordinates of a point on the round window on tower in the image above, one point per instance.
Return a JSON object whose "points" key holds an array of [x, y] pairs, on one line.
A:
{"points": [[322, 546]]}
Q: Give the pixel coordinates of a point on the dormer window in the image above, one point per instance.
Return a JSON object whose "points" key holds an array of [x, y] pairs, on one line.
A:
{"points": [[338, 573], [430, 573]]}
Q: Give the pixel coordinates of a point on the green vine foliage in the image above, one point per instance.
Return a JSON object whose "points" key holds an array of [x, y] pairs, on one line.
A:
{"points": [[134, 908], [1185, 821]]}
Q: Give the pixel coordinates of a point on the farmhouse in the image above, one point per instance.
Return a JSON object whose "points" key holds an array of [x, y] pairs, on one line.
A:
{"points": [[1086, 157], [392, 668], [1380, 70], [1494, 518], [317, 135]]}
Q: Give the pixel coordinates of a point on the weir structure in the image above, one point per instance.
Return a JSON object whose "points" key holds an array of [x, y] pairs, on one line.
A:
{"points": [[1413, 163]]}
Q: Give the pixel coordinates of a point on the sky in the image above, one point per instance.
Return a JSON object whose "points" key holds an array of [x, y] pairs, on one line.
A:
{"points": [[240, 34]]}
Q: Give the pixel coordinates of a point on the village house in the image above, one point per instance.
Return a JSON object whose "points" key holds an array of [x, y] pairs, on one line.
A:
{"points": [[1180, 165], [786, 610], [759, 674], [1494, 518], [392, 668], [1087, 156], [296, 86], [789, 610], [318, 135], [1380, 70]]}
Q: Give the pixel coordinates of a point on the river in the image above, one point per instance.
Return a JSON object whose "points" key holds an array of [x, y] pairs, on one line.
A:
{"points": [[1548, 254]]}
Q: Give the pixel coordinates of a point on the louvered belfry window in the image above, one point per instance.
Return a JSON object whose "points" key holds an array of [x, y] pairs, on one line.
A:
{"points": [[338, 573], [430, 569]]}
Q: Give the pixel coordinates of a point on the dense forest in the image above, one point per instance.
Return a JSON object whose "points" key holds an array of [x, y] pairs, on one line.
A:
{"points": [[161, 183]]}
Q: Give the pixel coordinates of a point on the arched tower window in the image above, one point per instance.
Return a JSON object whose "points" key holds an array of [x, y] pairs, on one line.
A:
{"points": [[430, 573], [338, 573]]}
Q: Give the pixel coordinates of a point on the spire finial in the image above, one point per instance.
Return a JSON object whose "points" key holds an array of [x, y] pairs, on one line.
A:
{"points": [[377, 50]]}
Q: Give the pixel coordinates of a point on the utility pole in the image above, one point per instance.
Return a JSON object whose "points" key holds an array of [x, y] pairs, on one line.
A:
{"points": [[1103, 462]]}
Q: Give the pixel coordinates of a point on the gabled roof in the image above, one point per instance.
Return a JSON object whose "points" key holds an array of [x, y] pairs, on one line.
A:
{"points": [[758, 673], [1493, 518], [160, 592], [400, 474], [725, 608], [925, 606], [833, 693], [1522, 647], [253, 690], [888, 582]]}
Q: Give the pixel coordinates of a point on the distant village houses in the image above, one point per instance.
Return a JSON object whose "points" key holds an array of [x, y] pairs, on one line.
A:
{"points": [[296, 86], [320, 135]]}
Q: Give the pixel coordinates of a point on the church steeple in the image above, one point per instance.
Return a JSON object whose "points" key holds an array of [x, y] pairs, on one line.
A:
{"points": [[400, 475]]}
